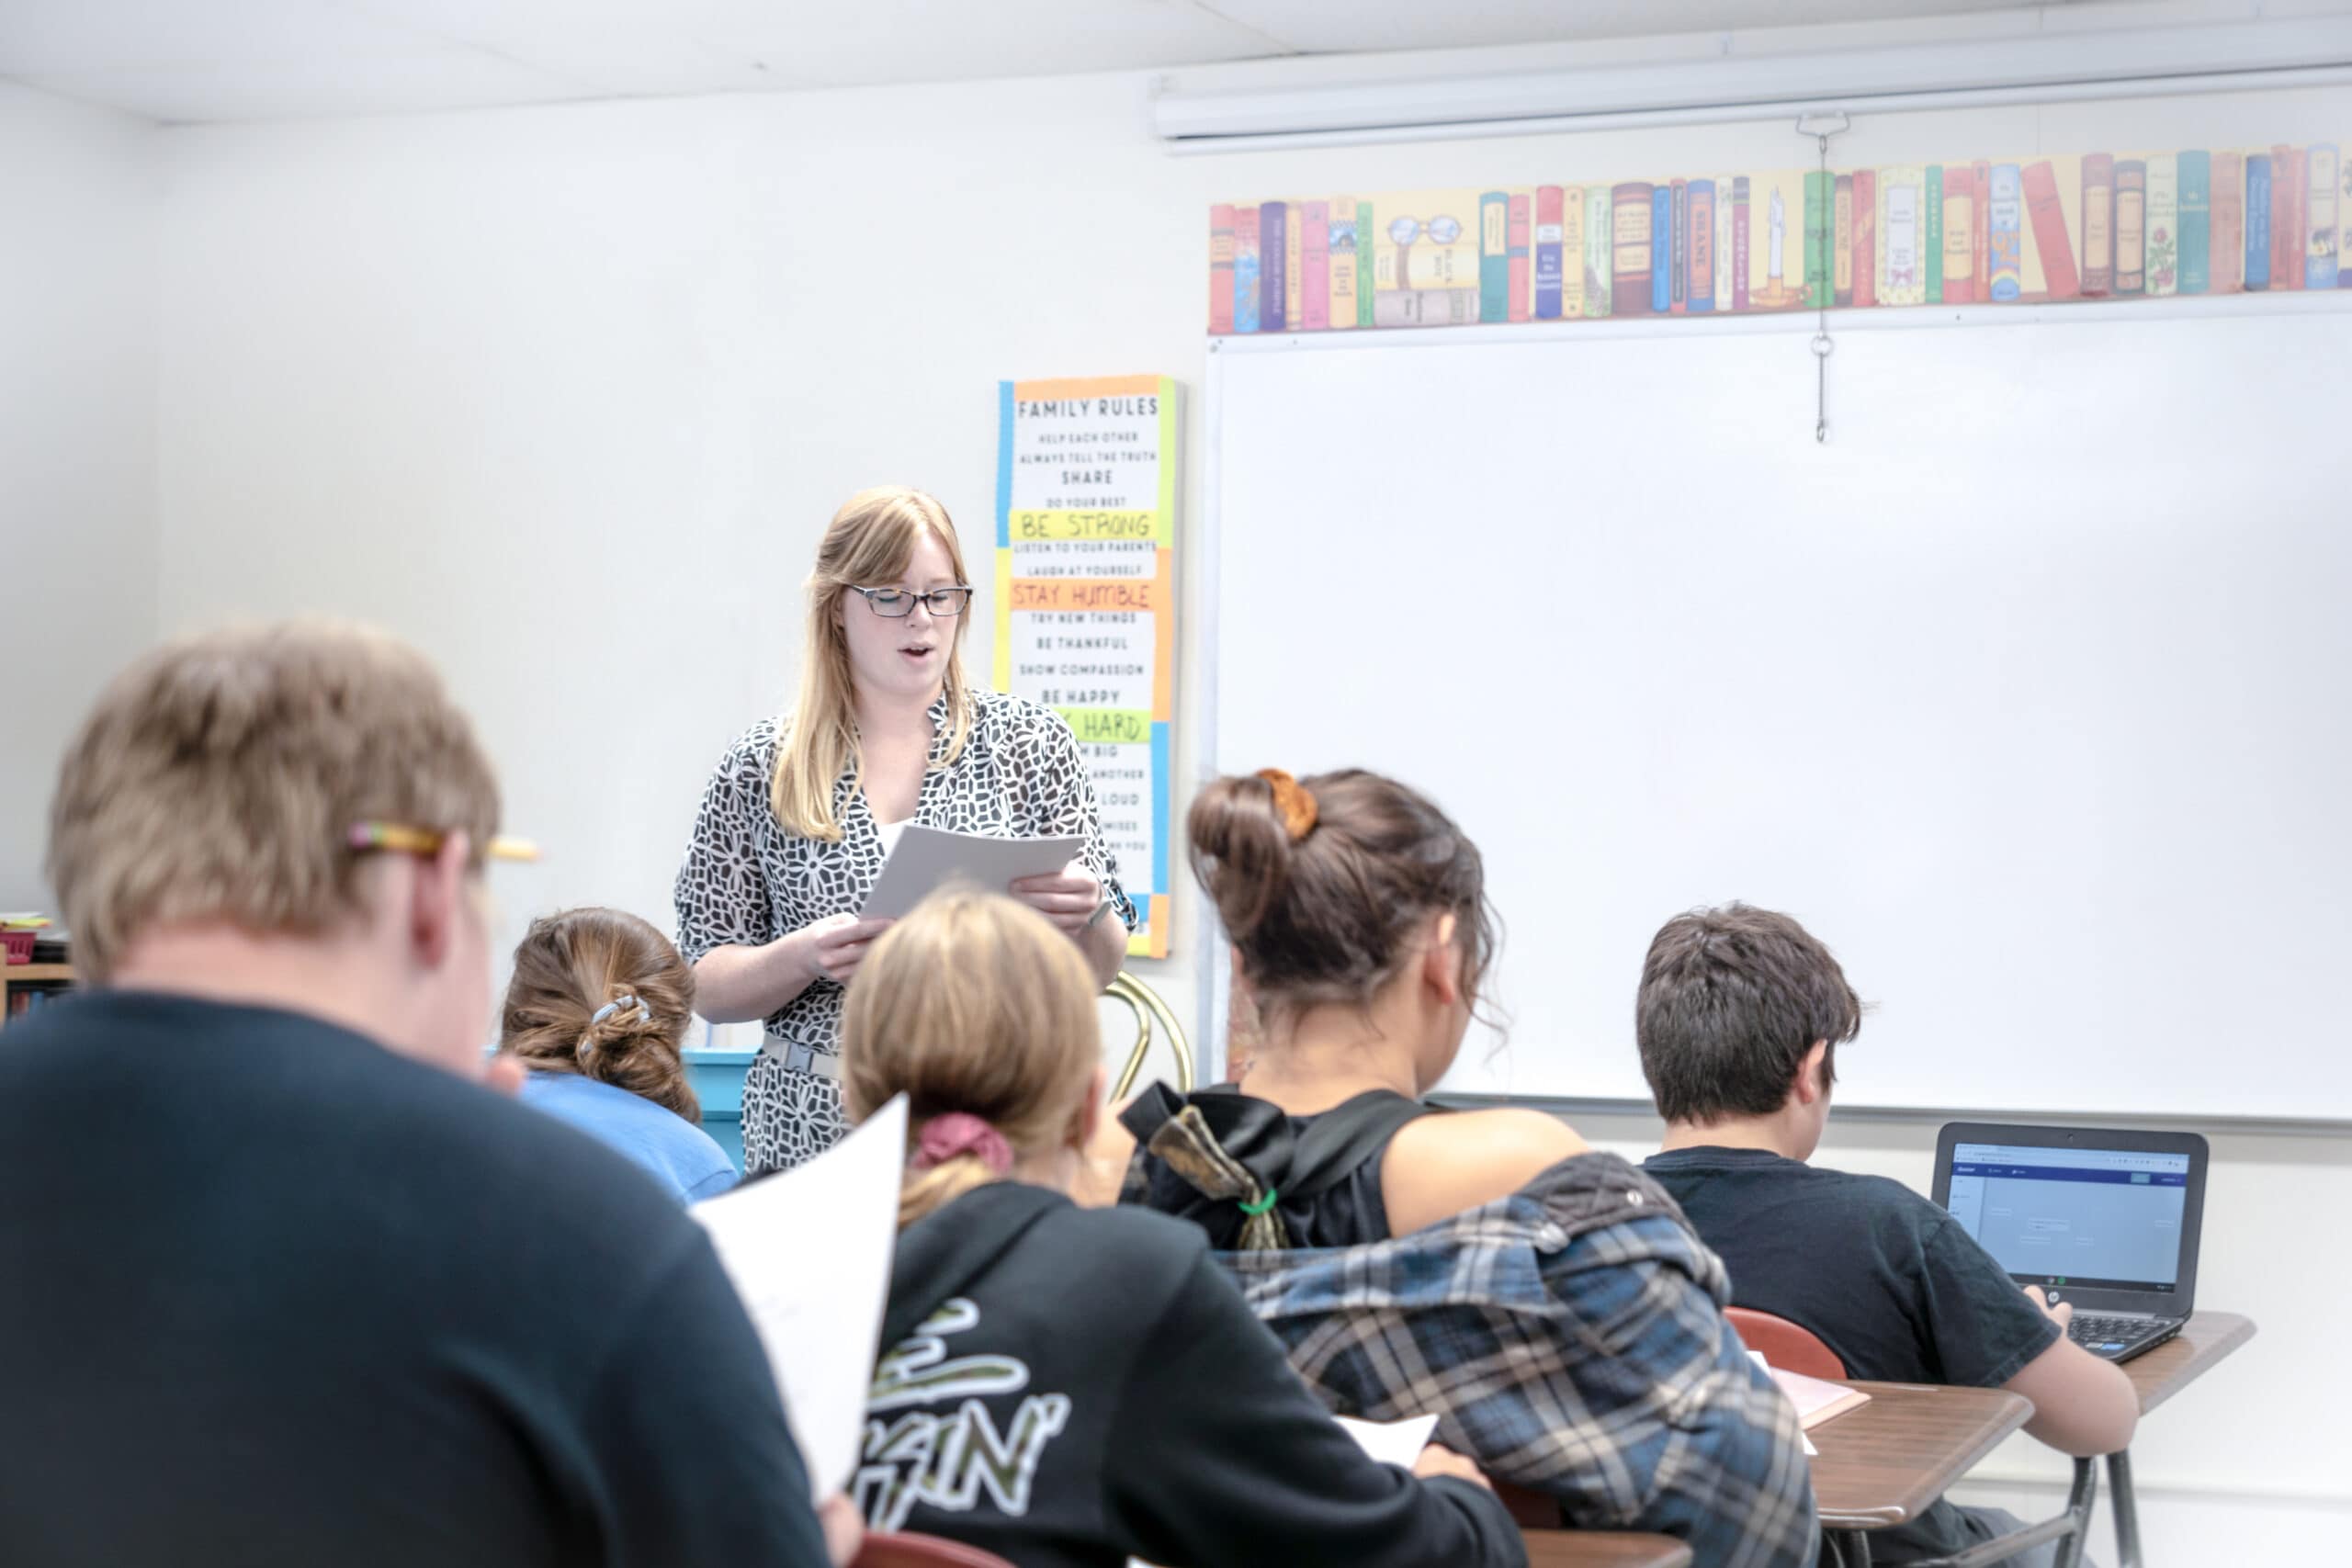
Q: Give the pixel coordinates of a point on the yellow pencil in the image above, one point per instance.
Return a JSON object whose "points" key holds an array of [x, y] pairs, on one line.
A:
{"points": [[426, 841]]}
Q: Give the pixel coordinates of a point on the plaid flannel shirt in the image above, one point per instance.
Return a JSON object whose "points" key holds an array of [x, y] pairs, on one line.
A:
{"points": [[1570, 1338]]}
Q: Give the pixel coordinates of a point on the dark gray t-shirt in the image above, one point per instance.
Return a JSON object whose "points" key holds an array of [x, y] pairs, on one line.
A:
{"points": [[270, 1295], [1888, 1281]]}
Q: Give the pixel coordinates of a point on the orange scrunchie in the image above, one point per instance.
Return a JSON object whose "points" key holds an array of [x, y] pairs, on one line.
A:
{"points": [[1293, 800]]}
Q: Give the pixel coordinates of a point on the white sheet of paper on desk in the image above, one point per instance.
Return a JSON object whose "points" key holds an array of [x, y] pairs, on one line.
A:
{"points": [[926, 859], [810, 1252], [1770, 1372], [1391, 1442]]}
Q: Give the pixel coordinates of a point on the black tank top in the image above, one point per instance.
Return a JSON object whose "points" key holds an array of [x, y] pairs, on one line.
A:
{"points": [[1324, 1169]]}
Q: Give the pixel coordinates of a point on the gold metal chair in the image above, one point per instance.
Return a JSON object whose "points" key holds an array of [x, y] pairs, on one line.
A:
{"points": [[1147, 1007]]}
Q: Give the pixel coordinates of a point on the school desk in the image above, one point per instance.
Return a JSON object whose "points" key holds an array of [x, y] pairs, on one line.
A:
{"points": [[1603, 1548], [1884, 1462]]}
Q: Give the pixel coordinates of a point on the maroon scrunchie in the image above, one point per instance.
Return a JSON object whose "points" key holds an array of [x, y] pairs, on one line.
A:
{"points": [[961, 1133]]}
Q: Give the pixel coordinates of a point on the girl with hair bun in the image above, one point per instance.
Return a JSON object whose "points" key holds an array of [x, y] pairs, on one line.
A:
{"points": [[1068, 1387], [598, 1005], [1547, 1302]]}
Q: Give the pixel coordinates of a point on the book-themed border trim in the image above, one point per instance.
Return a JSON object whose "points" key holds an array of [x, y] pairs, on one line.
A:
{"points": [[2040, 230]]}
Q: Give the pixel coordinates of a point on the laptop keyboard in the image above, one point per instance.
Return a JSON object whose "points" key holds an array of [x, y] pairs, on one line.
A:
{"points": [[2119, 1338]]}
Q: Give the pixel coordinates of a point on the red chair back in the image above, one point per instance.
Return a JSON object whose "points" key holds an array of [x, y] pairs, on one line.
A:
{"points": [[1788, 1346], [884, 1550]]}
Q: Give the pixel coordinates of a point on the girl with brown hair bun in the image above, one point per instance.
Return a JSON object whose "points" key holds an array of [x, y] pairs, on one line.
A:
{"points": [[1068, 1387], [803, 811], [598, 1008], [1547, 1302]]}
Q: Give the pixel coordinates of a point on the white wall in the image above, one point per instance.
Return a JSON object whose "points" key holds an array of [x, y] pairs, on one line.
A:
{"points": [[77, 442], [565, 394]]}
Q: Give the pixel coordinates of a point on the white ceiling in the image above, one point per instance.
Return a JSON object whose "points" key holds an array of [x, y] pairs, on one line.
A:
{"points": [[222, 60]]}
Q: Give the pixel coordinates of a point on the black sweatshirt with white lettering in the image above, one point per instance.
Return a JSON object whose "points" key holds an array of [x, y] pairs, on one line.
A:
{"points": [[1070, 1388]]}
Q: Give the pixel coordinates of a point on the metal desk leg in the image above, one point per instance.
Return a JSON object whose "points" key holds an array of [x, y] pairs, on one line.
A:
{"points": [[2081, 1498], [1853, 1547], [2127, 1509]]}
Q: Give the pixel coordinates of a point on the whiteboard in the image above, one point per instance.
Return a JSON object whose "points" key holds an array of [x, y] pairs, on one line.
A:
{"points": [[2027, 692]]}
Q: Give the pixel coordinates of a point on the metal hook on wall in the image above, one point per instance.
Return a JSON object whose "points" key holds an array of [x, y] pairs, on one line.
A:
{"points": [[1821, 125]]}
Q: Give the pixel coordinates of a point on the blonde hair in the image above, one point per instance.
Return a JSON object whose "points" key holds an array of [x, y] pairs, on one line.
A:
{"points": [[220, 776], [567, 969], [972, 1003], [868, 544]]}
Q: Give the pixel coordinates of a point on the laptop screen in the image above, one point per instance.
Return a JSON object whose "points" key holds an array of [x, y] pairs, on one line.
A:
{"points": [[2095, 1219]]}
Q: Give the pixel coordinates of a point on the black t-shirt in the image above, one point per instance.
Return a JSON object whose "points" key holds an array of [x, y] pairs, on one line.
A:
{"points": [[1068, 1387], [271, 1295], [1888, 1281]]}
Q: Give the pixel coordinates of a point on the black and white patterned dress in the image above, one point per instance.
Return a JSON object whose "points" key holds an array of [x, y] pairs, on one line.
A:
{"points": [[748, 880]]}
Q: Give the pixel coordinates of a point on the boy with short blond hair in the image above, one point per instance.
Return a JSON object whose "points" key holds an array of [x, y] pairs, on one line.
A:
{"points": [[283, 1285]]}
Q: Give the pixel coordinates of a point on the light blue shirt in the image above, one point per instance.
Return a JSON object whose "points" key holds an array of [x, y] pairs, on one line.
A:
{"points": [[673, 1151]]}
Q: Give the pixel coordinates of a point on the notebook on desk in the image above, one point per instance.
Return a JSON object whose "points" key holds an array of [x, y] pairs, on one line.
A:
{"points": [[2107, 1220]]}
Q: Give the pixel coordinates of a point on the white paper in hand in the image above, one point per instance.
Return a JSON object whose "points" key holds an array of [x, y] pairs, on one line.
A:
{"points": [[927, 858], [1391, 1442], [810, 1252]]}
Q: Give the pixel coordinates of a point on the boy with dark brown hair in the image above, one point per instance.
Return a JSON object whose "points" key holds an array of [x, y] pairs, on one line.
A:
{"points": [[1739, 1017]]}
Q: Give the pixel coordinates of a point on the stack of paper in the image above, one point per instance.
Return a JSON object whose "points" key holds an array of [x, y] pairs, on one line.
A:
{"points": [[925, 859]]}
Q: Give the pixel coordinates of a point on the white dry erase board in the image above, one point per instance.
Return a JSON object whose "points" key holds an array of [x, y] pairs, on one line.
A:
{"points": [[2031, 692]]}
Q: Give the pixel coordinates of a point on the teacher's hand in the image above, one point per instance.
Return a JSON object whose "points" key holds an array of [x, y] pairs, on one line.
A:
{"points": [[1068, 899], [837, 944]]}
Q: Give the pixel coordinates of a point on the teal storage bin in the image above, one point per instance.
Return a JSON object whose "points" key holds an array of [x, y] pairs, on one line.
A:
{"points": [[716, 1075]]}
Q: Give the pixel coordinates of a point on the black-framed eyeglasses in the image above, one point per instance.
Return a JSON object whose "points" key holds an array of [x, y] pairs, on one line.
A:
{"points": [[896, 604]]}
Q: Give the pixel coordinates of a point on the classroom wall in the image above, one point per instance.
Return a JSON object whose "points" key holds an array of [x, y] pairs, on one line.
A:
{"points": [[565, 394], [77, 441]]}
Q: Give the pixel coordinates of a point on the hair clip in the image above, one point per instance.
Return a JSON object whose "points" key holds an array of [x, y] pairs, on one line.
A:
{"points": [[587, 1046], [1293, 802], [644, 1013]]}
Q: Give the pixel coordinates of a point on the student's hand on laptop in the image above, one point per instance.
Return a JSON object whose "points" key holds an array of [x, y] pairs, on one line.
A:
{"points": [[1437, 1460], [2062, 1314], [844, 1530]]}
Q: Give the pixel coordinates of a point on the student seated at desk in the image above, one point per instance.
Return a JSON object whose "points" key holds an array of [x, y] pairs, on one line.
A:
{"points": [[1739, 1015], [1546, 1301], [598, 1004], [1067, 1386], [281, 1282]]}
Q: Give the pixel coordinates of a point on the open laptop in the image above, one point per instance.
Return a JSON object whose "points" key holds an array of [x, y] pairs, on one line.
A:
{"points": [[2107, 1220]]}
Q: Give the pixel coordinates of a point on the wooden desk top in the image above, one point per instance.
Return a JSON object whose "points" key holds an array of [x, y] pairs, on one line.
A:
{"points": [[1603, 1548], [2186, 1356], [1884, 1463]]}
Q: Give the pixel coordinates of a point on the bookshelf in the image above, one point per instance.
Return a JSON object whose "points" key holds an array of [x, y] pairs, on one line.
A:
{"points": [[14, 974]]}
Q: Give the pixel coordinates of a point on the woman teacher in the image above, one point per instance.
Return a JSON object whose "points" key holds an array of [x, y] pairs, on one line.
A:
{"points": [[803, 810]]}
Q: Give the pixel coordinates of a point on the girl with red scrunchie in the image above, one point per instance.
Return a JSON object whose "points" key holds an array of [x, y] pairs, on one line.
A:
{"points": [[1068, 1387]]}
